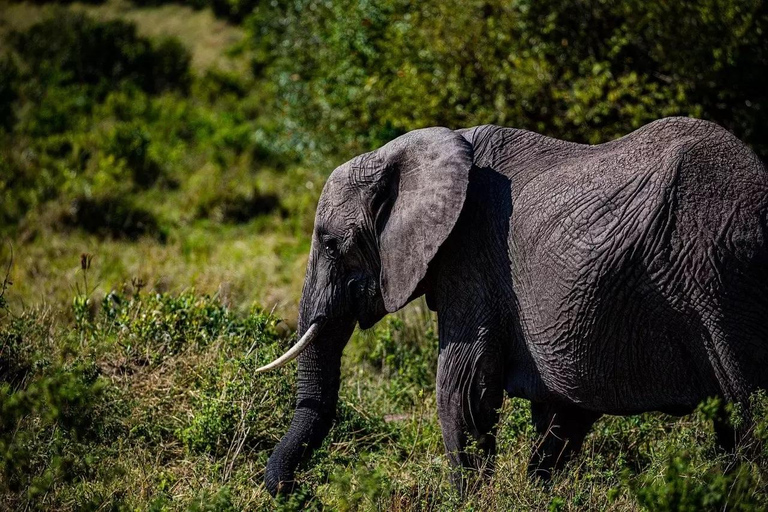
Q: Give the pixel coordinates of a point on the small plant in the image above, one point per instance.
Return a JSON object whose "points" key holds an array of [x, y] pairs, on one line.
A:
{"points": [[684, 487], [359, 488], [74, 48], [81, 304]]}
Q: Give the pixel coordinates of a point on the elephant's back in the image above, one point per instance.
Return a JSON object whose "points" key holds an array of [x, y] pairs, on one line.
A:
{"points": [[673, 182]]}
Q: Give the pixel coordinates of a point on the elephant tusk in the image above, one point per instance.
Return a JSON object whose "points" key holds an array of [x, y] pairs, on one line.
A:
{"points": [[294, 351]]}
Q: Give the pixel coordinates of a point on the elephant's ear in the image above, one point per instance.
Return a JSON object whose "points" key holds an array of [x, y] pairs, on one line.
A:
{"points": [[421, 193]]}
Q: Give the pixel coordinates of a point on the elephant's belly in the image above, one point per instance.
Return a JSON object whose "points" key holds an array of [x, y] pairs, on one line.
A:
{"points": [[625, 363]]}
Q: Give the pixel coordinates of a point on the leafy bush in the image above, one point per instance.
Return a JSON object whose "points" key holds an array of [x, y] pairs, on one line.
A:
{"points": [[73, 48], [130, 141], [49, 428], [73, 414], [238, 207], [15, 361], [113, 217], [354, 74], [685, 488], [67, 144]]}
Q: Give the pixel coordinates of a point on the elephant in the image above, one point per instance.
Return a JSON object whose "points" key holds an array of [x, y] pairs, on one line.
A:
{"points": [[617, 278]]}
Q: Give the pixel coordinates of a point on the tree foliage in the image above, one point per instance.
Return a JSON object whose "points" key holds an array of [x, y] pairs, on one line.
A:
{"points": [[587, 70]]}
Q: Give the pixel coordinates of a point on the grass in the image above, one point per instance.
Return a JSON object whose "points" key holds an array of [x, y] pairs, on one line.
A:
{"points": [[230, 262], [136, 400]]}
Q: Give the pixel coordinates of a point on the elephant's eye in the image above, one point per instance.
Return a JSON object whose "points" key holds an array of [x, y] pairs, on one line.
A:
{"points": [[331, 247]]}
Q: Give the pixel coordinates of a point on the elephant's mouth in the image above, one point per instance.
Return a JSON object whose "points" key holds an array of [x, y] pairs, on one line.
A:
{"points": [[366, 301]]}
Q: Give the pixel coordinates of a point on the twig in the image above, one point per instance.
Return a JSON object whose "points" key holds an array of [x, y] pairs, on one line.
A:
{"points": [[6, 281]]}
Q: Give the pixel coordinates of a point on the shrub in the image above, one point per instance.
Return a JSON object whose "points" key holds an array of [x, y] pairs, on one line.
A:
{"points": [[685, 488], [238, 207], [215, 83], [61, 108], [112, 217], [355, 74], [47, 429], [15, 357], [130, 141], [73, 48]]}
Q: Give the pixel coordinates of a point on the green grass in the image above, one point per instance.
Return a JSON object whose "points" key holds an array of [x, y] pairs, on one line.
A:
{"points": [[138, 400]]}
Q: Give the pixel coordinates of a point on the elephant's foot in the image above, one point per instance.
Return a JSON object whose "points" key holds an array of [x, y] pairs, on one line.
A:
{"points": [[740, 439], [726, 436], [472, 466], [561, 433]]}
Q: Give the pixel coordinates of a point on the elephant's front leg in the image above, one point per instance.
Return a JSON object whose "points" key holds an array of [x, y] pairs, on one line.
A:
{"points": [[469, 395]]}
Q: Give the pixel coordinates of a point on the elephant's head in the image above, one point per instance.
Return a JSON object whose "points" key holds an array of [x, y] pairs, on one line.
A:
{"points": [[380, 221]]}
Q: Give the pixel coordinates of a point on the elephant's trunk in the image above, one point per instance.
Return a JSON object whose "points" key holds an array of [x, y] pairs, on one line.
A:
{"points": [[318, 393]]}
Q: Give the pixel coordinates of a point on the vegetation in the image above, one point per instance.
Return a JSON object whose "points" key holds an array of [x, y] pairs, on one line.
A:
{"points": [[190, 172]]}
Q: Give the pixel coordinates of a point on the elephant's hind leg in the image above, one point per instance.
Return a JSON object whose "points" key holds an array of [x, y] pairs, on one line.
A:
{"points": [[561, 430], [469, 394], [737, 343], [726, 436]]}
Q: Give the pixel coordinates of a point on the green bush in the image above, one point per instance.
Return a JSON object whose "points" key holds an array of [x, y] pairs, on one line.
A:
{"points": [[130, 141], [238, 207], [62, 108], [355, 74], [112, 217], [82, 96], [72, 48], [685, 488], [49, 427]]}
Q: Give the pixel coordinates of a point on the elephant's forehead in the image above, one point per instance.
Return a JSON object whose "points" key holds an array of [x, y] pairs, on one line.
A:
{"points": [[337, 190]]}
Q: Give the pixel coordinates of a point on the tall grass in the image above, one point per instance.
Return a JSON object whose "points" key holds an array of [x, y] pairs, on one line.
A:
{"points": [[137, 400]]}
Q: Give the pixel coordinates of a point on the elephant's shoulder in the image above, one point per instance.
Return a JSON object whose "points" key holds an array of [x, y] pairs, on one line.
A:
{"points": [[509, 150]]}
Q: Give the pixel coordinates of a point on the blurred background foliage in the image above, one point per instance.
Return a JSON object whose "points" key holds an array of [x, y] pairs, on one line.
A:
{"points": [[584, 70], [184, 145]]}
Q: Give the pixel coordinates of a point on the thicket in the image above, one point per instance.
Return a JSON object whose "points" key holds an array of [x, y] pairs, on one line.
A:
{"points": [[99, 122], [80, 410], [360, 73]]}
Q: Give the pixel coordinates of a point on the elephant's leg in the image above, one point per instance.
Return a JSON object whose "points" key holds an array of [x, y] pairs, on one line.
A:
{"points": [[469, 394], [725, 434], [561, 432], [738, 357]]}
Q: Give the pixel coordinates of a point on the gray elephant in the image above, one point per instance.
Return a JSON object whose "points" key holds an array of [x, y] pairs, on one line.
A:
{"points": [[615, 279]]}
